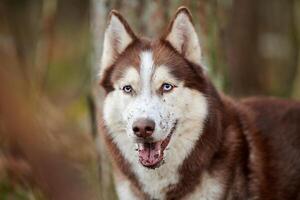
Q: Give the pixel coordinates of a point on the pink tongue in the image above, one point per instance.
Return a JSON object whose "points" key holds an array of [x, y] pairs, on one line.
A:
{"points": [[150, 153]]}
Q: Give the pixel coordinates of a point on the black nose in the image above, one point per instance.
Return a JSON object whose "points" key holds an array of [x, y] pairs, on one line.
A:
{"points": [[143, 127]]}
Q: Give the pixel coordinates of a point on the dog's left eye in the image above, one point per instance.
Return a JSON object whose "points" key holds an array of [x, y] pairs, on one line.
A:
{"points": [[167, 87], [127, 89]]}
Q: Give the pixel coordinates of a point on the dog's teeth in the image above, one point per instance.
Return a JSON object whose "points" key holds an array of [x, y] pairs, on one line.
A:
{"points": [[140, 147], [137, 147]]}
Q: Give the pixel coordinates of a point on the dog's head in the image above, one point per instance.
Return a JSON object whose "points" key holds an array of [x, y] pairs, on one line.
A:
{"points": [[155, 103]]}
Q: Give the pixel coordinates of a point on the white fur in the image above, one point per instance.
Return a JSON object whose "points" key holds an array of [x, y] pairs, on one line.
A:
{"points": [[116, 39], [147, 104], [130, 77], [209, 189], [147, 67], [124, 191], [186, 105], [183, 35]]}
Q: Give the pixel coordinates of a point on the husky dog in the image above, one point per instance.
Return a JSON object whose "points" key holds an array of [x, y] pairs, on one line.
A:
{"points": [[171, 135]]}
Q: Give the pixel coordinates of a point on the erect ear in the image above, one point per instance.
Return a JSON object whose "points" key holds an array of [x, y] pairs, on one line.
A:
{"points": [[182, 36], [118, 35]]}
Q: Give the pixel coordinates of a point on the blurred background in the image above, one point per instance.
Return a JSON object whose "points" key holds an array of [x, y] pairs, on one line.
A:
{"points": [[49, 95]]}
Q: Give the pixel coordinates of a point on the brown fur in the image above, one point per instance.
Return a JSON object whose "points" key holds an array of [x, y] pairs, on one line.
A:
{"points": [[253, 145]]}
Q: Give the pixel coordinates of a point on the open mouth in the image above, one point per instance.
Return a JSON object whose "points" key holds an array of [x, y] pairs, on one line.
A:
{"points": [[151, 154]]}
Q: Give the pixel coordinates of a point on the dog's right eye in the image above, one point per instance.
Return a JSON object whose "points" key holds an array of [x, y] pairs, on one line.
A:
{"points": [[127, 89]]}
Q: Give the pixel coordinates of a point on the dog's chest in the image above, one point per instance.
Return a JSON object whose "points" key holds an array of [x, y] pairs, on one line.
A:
{"points": [[158, 184], [210, 188]]}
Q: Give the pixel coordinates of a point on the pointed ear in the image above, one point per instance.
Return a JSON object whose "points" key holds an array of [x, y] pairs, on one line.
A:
{"points": [[182, 36], [118, 35]]}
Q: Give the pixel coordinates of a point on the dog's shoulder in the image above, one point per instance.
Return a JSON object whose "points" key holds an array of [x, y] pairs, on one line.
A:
{"points": [[274, 115], [278, 122]]}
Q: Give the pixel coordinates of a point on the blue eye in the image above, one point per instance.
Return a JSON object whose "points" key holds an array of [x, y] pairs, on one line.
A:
{"points": [[127, 89], [166, 87]]}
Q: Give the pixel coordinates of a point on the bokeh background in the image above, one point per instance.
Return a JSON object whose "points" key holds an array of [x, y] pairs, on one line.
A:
{"points": [[49, 95]]}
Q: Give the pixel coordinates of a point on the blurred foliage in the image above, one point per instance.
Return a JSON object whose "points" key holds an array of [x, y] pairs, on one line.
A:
{"points": [[50, 51], [9, 191]]}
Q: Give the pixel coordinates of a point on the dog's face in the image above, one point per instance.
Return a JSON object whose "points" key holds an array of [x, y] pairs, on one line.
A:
{"points": [[155, 90]]}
